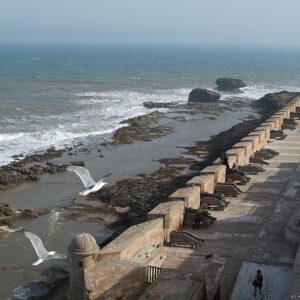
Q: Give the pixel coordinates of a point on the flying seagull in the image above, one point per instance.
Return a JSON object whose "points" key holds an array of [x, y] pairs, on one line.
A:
{"points": [[89, 183], [41, 251]]}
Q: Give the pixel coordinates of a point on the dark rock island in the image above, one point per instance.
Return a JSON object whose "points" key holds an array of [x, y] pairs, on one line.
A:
{"points": [[203, 95], [230, 85]]}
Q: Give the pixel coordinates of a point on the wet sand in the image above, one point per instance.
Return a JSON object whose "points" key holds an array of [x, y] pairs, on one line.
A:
{"points": [[54, 193]]}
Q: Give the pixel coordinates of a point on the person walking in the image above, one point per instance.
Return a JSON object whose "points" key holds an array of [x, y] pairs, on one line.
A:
{"points": [[257, 283]]}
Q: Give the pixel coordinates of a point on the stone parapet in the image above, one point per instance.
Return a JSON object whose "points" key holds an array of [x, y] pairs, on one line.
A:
{"points": [[271, 123], [248, 149], [254, 139], [190, 196], [280, 116], [262, 137], [231, 161], [297, 101], [277, 122], [112, 278], [219, 172], [267, 130], [206, 183], [286, 112], [238, 155], [172, 213], [292, 107], [135, 241]]}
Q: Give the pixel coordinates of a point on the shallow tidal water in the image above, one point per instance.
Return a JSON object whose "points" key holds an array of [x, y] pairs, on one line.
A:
{"points": [[53, 192]]}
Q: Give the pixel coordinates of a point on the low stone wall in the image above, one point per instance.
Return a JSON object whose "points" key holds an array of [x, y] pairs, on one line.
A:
{"points": [[248, 149], [238, 155], [172, 213], [205, 182], [136, 240], [219, 172], [254, 139], [119, 269], [190, 196]]}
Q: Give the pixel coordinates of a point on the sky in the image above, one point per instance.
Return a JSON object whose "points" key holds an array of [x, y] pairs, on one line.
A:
{"points": [[167, 22]]}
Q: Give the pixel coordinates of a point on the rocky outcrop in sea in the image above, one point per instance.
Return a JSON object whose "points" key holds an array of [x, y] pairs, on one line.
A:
{"points": [[230, 85], [203, 95]]}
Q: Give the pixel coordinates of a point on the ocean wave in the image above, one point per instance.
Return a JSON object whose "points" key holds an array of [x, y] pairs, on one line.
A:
{"points": [[168, 95], [27, 143], [10, 136], [96, 113], [254, 92]]}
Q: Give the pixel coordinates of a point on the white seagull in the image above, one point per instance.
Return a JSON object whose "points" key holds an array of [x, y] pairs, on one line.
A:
{"points": [[89, 183], [41, 251]]}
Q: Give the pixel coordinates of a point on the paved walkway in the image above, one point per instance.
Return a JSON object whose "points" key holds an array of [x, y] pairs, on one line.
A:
{"points": [[251, 231]]}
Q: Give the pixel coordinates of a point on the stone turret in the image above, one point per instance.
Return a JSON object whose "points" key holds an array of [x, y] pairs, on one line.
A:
{"points": [[83, 250]]}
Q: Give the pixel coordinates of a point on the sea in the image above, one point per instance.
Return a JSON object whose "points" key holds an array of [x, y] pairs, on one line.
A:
{"points": [[61, 95]]}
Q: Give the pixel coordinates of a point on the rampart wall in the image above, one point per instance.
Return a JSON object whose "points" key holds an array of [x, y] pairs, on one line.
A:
{"points": [[120, 268]]}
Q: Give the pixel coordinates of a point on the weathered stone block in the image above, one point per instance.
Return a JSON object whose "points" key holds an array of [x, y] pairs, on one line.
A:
{"points": [[293, 107], [135, 240], [206, 183], [231, 161], [254, 140], [190, 196], [238, 155], [219, 172], [271, 123], [262, 137], [286, 112], [267, 129], [248, 149], [277, 122], [112, 278], [280, 116], [172, 213]]}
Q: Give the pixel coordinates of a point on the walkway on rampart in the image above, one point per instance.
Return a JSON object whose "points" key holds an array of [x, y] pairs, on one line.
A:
{"points": [[250, 232]]}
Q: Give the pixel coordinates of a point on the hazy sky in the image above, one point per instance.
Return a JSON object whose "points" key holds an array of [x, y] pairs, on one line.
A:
{"points": [[204, 22]]}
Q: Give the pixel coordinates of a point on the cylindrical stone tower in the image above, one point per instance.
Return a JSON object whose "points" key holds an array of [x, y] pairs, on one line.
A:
{"points": [[83, 250]]}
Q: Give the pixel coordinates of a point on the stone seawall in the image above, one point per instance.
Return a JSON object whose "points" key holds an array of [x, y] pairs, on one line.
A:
{"points": [[120, 269]]}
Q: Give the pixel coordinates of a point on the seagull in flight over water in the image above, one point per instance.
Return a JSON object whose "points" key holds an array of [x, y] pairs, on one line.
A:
{"points": [[41, 251], [89, 183]]}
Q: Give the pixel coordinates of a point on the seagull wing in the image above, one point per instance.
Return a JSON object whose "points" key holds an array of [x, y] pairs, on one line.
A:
{"points": [[102, 178], [60, 256], [83, 174], [37, 245]]}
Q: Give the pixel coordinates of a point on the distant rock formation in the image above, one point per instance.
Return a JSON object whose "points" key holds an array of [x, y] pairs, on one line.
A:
{"points": [[272, 102], [203, 95], [230, 85]]}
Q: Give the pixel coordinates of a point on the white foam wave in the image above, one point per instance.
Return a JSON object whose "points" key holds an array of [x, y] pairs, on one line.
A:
{"points": [[97, 113], [38, 141], [10, 136], [254, 92], [169, 95]]}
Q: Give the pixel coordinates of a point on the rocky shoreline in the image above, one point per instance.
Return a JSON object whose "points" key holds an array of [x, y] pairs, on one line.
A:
{"points": [[128, 200], [141, 128]]}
